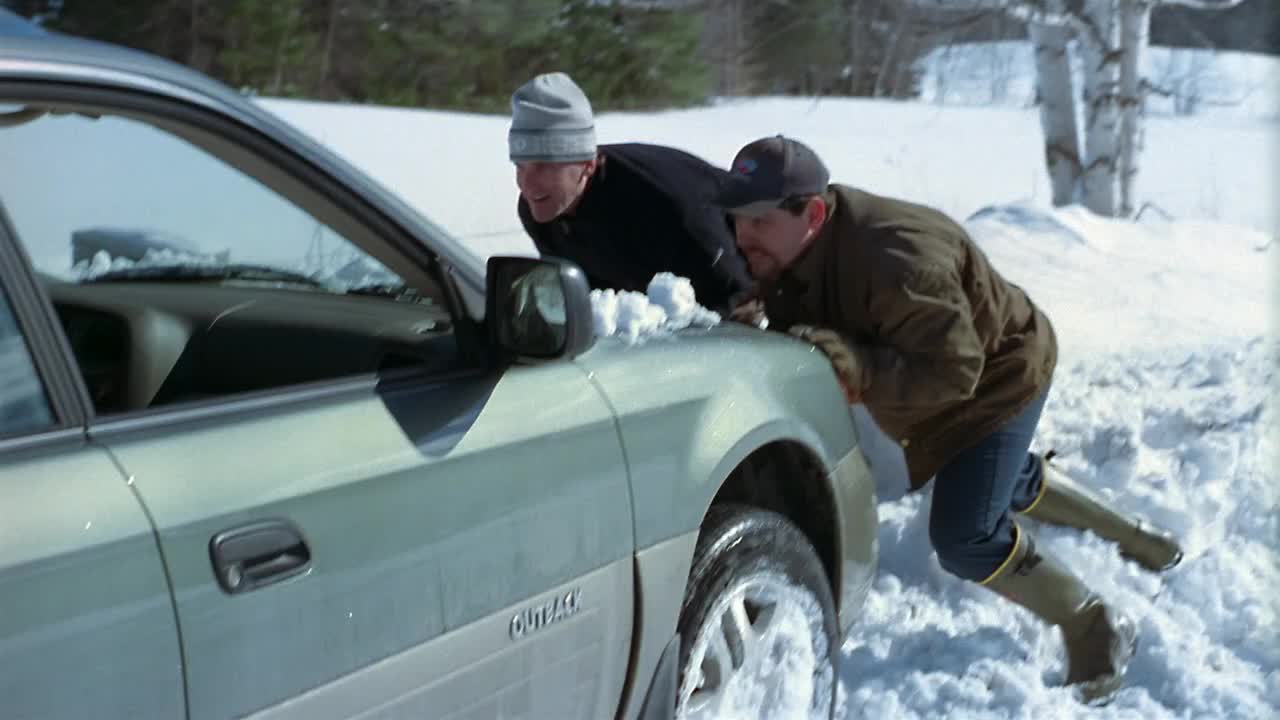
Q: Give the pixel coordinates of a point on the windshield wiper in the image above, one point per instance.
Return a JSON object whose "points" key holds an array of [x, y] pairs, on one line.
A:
{"points": [[383, 290], [395, 291], [201, 273]]}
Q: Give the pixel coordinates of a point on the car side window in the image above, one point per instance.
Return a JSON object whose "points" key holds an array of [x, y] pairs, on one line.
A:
{"points": [[181, 277], [24, 407]]}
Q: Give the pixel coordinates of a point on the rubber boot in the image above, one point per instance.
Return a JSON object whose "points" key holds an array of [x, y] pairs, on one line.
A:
{"points": [[1099, 641], [1063, 501]]}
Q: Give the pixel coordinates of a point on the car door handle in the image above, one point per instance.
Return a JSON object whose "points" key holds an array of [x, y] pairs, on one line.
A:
{"points": [[253, 556]]}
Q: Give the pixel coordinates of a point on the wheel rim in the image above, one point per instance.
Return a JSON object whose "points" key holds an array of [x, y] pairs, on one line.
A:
{"points": [[760, 652]]}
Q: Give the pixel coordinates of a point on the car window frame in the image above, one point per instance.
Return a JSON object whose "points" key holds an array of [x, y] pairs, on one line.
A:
{"points": [[45, 341], [354, 215]]}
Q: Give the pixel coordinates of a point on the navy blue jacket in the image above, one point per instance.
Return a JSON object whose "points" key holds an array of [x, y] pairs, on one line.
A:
{"points": [[648, 209]]}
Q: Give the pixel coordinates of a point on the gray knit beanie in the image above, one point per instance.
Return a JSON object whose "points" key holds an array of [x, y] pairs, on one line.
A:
{"points": [[551, 121]]}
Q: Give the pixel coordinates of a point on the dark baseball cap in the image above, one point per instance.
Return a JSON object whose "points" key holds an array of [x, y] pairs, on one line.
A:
{"points": [[769, 171]]}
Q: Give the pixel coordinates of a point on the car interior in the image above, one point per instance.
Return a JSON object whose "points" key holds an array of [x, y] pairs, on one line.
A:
{"points": [[145, 344], [147, 340]]}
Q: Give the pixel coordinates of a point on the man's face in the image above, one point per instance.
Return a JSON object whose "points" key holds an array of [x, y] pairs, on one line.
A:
{"points": [[770, 242], [552, 188]]}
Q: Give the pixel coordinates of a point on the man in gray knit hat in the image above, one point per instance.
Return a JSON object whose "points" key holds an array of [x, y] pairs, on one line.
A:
{"points": [[624, 212]]}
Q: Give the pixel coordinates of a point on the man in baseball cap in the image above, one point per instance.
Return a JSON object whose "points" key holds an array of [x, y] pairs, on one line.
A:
{"points": [[774, 193], [954, 363]]}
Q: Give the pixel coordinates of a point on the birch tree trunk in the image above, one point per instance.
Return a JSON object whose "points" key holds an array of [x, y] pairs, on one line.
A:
{"points": [[1057, 107], [1135, 34], [1100, 52], [1111, 39]]}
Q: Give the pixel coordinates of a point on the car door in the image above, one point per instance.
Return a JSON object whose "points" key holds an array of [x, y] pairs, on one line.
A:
{"points": [[86, 625], [358, 519], [432, 517]]}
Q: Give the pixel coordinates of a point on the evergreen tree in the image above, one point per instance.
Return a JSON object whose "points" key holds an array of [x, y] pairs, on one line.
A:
{"points": [[270, 47], [796, 45], [626, 57]]}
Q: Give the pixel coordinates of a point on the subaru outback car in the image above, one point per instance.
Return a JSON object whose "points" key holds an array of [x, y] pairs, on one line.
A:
{"points": [[274, 445]]}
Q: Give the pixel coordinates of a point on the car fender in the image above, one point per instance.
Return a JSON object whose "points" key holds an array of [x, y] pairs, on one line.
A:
{"points": [[690, 410], [692, 407]]}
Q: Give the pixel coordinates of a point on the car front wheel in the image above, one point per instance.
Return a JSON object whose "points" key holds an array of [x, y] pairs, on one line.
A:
{"points": [[758, 623]]}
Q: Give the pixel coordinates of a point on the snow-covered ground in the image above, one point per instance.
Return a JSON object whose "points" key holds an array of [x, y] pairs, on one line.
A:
{"points": [[1164, 398]]}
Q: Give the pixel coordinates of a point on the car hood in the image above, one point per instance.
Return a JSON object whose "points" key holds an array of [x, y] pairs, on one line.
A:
{"points": [[729, 370]]}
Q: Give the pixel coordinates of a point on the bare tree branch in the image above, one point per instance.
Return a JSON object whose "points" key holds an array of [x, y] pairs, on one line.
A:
{"points": [[1150, 205], [1201, 4], [1037, 11], [1071, 21], [1028, 11], [1034, 11], [927, 25]]}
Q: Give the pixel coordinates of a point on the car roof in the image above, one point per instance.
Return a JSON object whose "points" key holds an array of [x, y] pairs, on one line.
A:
{"points": [[58, 57], [13, 25]]}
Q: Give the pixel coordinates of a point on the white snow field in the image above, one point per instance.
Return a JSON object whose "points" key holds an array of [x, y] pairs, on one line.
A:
{"points": [[1164, 399]]}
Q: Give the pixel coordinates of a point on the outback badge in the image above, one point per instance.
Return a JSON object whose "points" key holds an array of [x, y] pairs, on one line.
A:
{"points": [[532, 619]]}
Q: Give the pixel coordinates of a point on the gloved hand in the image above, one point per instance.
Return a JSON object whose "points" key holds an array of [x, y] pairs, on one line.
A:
{"points": [[751, 313], [843, 359]]}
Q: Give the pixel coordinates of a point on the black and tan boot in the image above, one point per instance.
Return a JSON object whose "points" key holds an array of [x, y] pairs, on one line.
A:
{"points": [[1063, 501], [1099, 641]]}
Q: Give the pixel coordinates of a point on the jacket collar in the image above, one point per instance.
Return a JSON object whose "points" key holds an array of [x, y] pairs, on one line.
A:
{"points": [[590, 202]]}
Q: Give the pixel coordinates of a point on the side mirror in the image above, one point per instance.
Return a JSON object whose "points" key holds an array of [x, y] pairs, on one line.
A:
{"points": [[538, 308]]}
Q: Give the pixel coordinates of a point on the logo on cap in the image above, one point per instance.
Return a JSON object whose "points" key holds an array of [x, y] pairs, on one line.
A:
{"points": [[745, 166]]}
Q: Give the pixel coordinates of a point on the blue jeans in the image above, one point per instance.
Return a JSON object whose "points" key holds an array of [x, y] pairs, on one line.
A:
{"points": [[976, 494]]}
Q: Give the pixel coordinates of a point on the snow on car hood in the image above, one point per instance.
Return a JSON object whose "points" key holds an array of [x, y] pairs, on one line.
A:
{"points": [[668, 305]]}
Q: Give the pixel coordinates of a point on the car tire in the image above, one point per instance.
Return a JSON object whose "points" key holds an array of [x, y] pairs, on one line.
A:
{"points": [[758, 625]]}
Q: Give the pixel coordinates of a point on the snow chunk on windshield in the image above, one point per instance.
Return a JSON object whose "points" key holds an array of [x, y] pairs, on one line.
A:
{"points": [[103, 262], [669, 305]]}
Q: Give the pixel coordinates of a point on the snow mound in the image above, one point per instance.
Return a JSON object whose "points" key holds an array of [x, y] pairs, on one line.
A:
{"points": [[1109, 285], [669, 305], [1027, 217]]}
